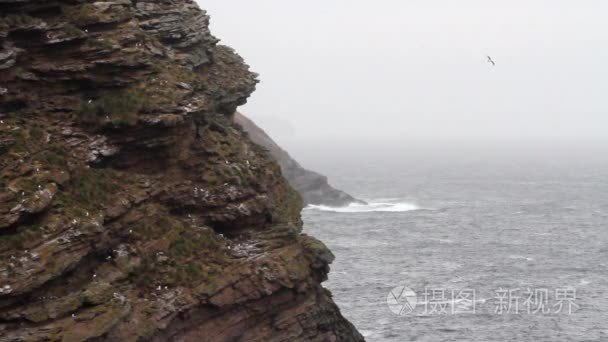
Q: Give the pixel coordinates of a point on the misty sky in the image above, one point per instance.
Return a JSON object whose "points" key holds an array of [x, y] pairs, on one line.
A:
{"points": [[411, 70]]}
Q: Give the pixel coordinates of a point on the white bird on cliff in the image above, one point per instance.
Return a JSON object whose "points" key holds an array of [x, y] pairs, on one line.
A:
{"points": [[491, 61]]}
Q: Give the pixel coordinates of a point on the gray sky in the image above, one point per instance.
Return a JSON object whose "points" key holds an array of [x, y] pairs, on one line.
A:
{"points": [[416, 70]]}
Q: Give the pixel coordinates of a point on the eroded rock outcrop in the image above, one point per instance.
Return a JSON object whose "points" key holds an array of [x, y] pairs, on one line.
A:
{"points": [[132, 208], [312, 186]]}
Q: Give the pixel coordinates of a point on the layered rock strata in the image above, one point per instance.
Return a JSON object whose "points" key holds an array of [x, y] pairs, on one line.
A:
{"points": [[131, 207]]}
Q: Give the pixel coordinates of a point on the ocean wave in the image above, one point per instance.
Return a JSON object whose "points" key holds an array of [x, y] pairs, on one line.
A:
{"points": [[369, 207]]}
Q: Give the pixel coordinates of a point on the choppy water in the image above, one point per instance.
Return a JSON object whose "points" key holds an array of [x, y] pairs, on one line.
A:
{"points": [[469, 225]]}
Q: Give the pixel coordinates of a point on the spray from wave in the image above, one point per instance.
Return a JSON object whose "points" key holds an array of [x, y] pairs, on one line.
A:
{"points": [[372, 206]]}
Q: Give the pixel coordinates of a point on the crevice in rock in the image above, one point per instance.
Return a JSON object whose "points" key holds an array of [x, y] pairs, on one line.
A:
{"points": [[12, 106], [103, 27], [26, 38], [25, 220], [45, 12]]}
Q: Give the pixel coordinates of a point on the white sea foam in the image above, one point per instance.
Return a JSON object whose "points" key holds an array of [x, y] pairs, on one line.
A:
{"points": [[369, 207], [366, 333], [519, 257]]}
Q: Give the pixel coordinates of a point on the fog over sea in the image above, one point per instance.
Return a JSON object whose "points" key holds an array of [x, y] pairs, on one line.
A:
{"points": [[477, 219]]}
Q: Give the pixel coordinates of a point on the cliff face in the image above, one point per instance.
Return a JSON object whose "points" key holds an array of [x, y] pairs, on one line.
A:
{"points": [[313, 187], [132, 208]]}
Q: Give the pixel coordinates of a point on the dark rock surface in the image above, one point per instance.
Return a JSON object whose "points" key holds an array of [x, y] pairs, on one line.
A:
{"points": [[132, 208], [312, 186]]}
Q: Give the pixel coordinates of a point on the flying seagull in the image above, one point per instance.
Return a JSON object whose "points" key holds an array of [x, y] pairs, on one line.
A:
{"points": [[491, 61]]}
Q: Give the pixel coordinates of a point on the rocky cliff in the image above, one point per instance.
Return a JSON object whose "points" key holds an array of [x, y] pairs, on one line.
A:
{"points": [[131, 207], [312, 186]]}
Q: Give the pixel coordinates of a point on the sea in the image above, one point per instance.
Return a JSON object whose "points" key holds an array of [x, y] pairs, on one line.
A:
{"points": [[472, 244]]}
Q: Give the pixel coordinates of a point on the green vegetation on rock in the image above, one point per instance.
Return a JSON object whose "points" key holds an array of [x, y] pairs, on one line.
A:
{"points": [[24, 238], [53, 156], [17, 20], [88, 189], [121, 107], [93, 186], [83, 15]]}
